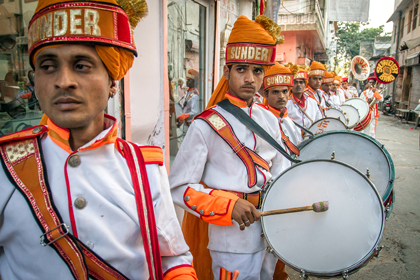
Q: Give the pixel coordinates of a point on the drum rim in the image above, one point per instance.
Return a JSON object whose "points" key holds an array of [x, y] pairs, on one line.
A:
{"points": [[358, 98], [349, 105], [351, 269], [391, 179]]}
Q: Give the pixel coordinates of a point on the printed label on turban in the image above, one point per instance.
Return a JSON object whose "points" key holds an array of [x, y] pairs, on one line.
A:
{"points": [[250, 53], [327, 80], [302, 75], [278, 80], [318, 72], [81, 21]]}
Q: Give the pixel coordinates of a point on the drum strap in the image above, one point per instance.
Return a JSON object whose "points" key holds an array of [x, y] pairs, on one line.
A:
{"points": [[288, 143], [23, 163], [223, 128], [254, 127], [312, 95]]}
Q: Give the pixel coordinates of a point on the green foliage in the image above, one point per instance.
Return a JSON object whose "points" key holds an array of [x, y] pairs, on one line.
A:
{"points": [[350, 34]]}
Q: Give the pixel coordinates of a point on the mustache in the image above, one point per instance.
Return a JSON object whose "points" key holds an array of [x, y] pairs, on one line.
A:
{"points": [[65, 94], [248, 86]]}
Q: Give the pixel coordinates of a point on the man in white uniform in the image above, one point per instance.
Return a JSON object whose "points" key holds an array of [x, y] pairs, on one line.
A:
{"points": [[221, 202], [303, 110], [100, 206], [316, 75], [372, 97], [338, 89], [329, 96]]}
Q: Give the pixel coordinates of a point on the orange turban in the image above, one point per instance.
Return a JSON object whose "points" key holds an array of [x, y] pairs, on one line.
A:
{"points": [[104, 23], [299, 71], [251, 42], [192, 74], [329, 78], [278, 75], [337, 80], [317, 69]]}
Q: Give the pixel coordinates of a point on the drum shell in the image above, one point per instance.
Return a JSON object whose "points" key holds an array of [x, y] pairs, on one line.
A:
{"points": [[365, 122], [318, 126], [351, 125]]}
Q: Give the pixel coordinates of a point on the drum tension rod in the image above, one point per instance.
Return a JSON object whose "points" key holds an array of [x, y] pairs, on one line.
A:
{"points": [[345, 274], [378, 250], [303, 274], [367, 173], [333, 155]]}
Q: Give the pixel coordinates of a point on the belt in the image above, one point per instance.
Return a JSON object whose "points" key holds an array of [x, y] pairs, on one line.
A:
{"points": [[255, 198]]}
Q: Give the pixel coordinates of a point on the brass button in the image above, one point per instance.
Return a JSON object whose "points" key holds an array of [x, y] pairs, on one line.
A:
{"points": [[37, 130], [186, 198], [194, 207], [80, 203], [211, 213], [74, 161], [201, 211], [282, 120]]}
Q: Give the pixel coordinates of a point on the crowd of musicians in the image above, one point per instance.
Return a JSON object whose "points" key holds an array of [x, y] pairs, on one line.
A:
{"points": [[102, 207]]}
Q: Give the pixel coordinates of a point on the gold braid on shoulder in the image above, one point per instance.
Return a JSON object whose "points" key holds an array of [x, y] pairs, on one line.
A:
{"points": [[135, 9], [271, 27]]}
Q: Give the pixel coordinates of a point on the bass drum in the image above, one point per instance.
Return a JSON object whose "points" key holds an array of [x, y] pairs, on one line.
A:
{"points": [[337, 242], [352, 115], [326, 124], [360, 151], [364, 112], [336, 114]]}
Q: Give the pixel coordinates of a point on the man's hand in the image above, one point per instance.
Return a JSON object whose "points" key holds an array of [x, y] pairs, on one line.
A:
{"points": [[244, 213]]}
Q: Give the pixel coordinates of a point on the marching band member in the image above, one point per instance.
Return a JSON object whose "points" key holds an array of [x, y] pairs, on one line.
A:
{"points": [[372, 97], [316, 74], [222, 202], [277, 95], [101, 206], [345, 88], [327, 94], [334, 94], [302, 109], [191, 101], [339, 90]]}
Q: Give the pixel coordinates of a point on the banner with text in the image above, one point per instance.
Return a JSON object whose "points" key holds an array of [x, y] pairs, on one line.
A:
{"points": [[348, 10]]}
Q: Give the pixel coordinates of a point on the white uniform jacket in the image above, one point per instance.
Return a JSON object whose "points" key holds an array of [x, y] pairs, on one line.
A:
{"points": [[341, 96], [108, 224], [205, 156], [310, 107], [317, 96]]}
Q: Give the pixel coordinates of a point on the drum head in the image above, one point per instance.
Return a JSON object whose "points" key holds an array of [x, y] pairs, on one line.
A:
{"points": [[352, 115], [361, 105], [328, 243], [356, 149], [326, 124], [334, 113]]}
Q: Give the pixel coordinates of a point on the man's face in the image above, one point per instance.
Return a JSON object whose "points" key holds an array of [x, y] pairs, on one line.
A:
{"points": [[315, 82], [72, 85], [372, 83], [277, 97], [345, 85], [299, 86], [326, 87], [190, 83], [333, 87], [244, 80]]}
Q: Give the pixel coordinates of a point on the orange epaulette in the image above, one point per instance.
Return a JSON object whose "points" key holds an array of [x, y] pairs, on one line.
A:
{"points": [[27, 133], [152, 154]]}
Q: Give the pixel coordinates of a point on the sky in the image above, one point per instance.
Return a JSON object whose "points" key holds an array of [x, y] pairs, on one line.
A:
{"points": [[379, 12]]}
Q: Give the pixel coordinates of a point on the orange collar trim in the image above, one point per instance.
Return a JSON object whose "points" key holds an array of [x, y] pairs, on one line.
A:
{"points": [[61, 136], [236, 101], [274, 111]]}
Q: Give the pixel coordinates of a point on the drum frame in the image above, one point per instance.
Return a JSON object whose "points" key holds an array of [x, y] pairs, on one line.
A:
{"points": [[349, 270], [377, 143], [341, 111], [365, 121]]}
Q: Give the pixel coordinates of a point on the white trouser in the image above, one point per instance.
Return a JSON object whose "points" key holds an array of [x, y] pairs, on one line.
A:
{"points": [[371, 128], [259, 265]]}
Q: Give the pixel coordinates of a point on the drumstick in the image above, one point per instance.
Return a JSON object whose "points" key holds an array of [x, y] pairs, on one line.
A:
{"points": [[235, 275], [316, 207]]}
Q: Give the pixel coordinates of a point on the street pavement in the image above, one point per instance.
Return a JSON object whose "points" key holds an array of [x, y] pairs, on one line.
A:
{"points": [[400, 258]]}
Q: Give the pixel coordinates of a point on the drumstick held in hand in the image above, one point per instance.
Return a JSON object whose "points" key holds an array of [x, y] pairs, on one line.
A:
{"points": [[316, 207]]}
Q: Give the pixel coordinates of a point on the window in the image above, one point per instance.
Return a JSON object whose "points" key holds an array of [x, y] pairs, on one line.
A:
{"points": [[395, 33], [410, 17], [416, 11]]}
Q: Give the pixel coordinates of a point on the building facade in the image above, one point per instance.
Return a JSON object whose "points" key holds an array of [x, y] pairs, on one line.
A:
{"points": [[406, 49]]}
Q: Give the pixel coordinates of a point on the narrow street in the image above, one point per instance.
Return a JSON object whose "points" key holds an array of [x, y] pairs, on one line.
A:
{"points": [[401, 254]]}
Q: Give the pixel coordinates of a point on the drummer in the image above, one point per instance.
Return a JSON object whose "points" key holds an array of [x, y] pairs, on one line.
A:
{"points": [[276, 97], [339, 90], [372, 96], [316, 74], [334, 91], [345, 88], [302, 109], [331, 100]]}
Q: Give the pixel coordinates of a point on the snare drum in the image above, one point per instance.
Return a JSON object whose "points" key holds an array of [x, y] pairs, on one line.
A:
{"points": [[336, 114], [337, 242], [326, 124], [352, 115], [358, 150], [364, 112]]}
